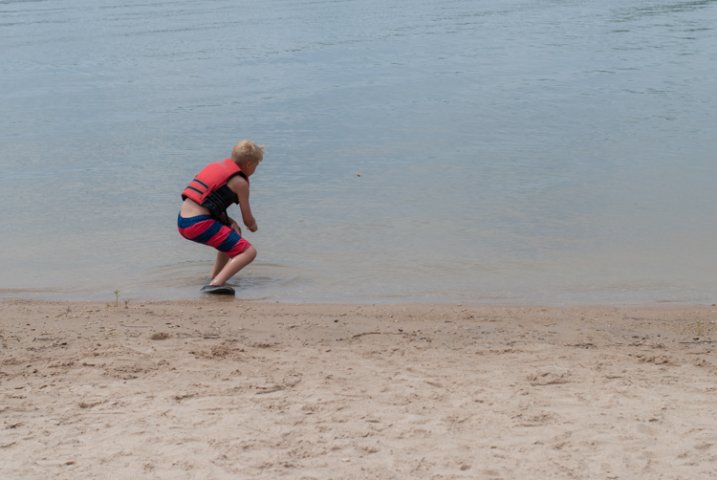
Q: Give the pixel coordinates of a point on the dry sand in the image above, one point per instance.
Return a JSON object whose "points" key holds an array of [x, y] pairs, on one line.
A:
{"points": [[232, 390]]}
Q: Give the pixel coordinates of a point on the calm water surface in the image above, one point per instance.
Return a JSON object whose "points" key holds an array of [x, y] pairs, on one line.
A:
{"points": [[453, 151]]}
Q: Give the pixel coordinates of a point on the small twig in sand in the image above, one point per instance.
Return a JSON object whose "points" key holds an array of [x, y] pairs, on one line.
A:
{"points": [[358, 335], [365, 333], [275, 388]]}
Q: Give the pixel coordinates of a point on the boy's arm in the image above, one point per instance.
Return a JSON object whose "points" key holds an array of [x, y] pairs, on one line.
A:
{"points": [[225, 218], [241, 188], [231, 223]]}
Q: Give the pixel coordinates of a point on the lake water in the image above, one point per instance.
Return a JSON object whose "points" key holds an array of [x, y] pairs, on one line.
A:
{"points": [[494, 151]]}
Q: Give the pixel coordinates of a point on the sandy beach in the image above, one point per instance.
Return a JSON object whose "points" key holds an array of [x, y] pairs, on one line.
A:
{"points": [[227, 390]]}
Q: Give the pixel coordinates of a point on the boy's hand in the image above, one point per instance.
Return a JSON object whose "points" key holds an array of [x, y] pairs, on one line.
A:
{"points": [[235, 226], [253, 227]]}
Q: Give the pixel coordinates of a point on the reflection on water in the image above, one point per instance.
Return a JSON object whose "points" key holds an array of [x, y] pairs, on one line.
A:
{"points": [[497, 151]]}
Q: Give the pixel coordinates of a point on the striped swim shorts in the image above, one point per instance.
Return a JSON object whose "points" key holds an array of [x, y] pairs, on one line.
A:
{"points": [[208, 231]]}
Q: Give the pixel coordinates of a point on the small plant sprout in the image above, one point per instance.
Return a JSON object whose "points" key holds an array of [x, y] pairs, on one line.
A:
{"points": [[117, 294]]}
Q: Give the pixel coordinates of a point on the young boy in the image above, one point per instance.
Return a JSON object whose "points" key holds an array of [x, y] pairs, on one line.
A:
{"points": [[203, 217]]}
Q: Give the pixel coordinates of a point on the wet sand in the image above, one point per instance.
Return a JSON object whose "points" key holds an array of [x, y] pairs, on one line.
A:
{"points": [[226, 390]]}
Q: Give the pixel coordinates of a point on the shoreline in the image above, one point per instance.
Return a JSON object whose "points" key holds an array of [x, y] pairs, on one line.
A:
{"points": [[45, 296], [221, 389], [190, 294]]}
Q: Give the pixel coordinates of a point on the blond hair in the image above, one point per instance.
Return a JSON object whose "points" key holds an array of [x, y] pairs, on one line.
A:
{"points": [[247, 150]]}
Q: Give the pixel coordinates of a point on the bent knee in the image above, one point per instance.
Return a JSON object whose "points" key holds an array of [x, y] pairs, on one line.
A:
{"points": [[250, 252]]}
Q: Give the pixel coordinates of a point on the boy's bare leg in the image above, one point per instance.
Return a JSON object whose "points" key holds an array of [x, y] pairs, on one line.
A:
{"points": [[220, 262], [233, 266]]}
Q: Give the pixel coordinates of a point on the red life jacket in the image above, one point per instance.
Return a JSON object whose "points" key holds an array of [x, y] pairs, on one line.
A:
{"points": [[209, 187]]}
